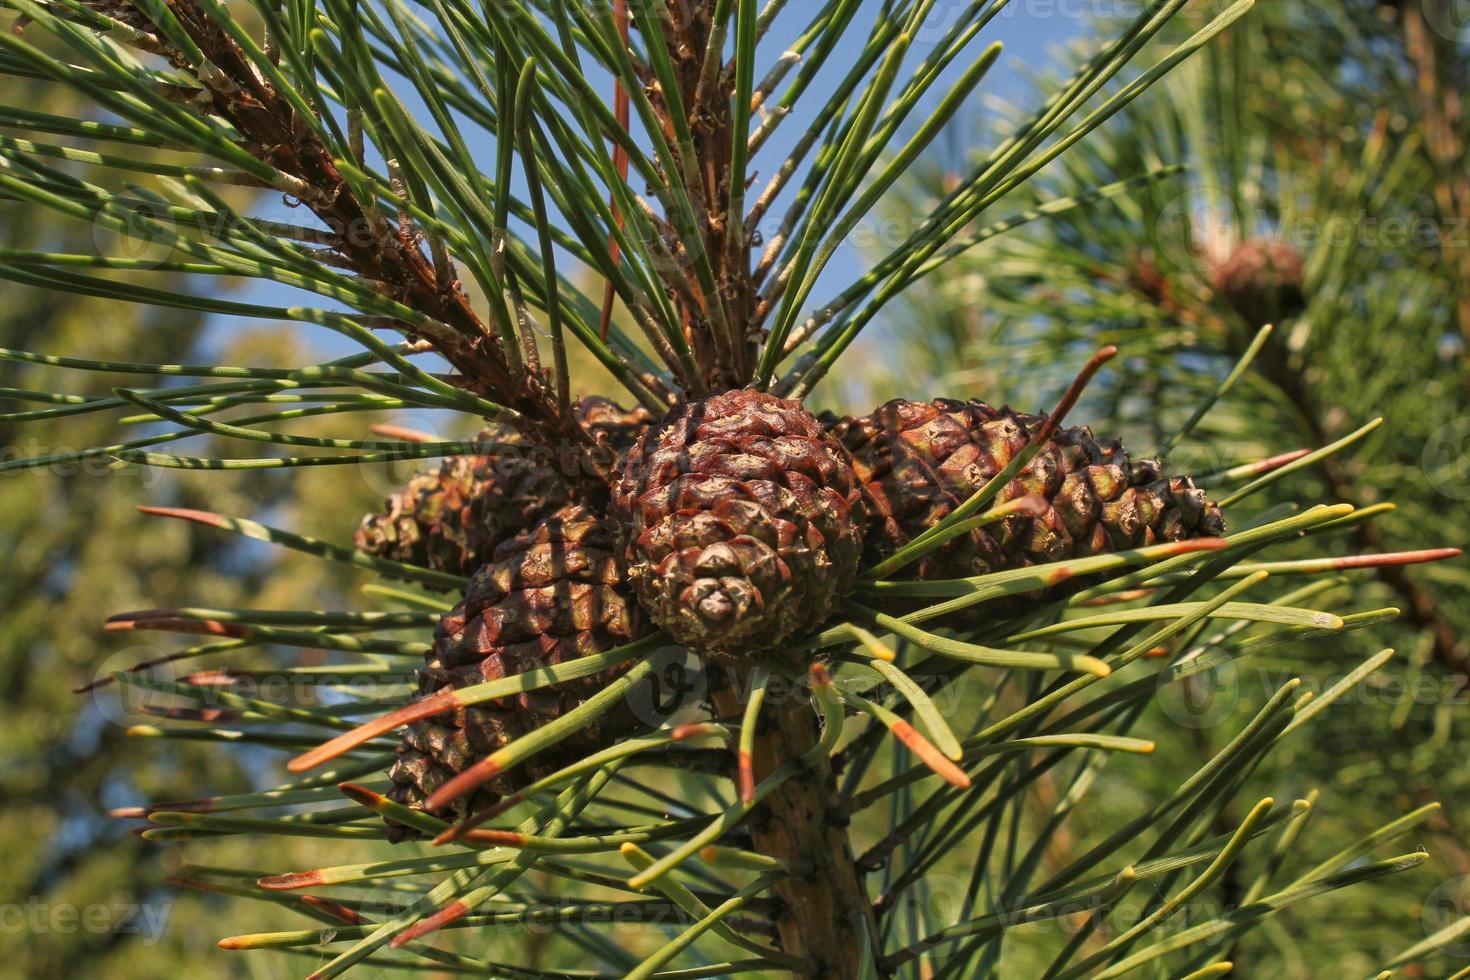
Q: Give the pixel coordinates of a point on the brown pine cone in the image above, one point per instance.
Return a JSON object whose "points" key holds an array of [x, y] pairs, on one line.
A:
{"points": [[743, 522], [919, 461], [1263, 281], [551, 595], [452, 518]]}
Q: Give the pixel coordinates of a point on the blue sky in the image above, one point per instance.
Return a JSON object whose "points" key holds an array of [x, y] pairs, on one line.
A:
{"points": [[1028, 31]]}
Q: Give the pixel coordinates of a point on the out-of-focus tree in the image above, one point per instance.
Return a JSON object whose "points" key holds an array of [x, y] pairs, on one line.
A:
{"points": [[81, 895], [1321, 192]]}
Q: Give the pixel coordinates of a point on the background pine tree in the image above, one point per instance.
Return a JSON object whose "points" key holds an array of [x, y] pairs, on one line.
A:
{"points": [[83, 895], [1306, 133], [1006, 777]]}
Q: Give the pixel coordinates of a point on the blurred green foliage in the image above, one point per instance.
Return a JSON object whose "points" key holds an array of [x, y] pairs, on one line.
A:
{"points": [[80, 894], [1333, 132]]}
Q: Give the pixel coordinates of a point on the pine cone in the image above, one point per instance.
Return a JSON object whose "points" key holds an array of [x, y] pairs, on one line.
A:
{"points": [[1262, 280], [451, 519], [742, 520], [551, 595], [919, 461]]}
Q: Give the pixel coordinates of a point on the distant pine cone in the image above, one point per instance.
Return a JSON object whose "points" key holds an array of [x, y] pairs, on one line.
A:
{"points": [[918, 461], [452, 518], [551, 595], [743, 522], [1263, 281]]}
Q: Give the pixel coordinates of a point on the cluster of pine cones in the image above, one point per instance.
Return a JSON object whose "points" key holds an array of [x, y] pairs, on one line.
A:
{"points": [[738, 524]]}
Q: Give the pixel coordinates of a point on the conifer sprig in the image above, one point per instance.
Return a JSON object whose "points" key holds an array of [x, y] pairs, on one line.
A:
{"points": [[312, 103], [1062, 728], [455, 173]]}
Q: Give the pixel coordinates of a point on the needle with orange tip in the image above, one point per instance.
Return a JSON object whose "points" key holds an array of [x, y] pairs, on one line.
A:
{"points": [[402, 433], [434, 704], [975, 590], [533, 742], [733, 857], [871, 645], [924, 707], [311, 546], [749, 722], [391, 810], [923, 749], [829, 705], [551, 820], [623, 749], [449, 699], [1258, 467]]}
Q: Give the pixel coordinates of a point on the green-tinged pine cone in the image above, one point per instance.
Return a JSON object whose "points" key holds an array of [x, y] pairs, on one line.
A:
{"points": [[452, 518], [743, 522], [1263, 281], [551, 595], [918, 461]]}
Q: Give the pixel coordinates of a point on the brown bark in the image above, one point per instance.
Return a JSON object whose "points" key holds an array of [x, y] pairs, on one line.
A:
{"points": [[721, 328], [827, 915], [1449, 650], [390, 256], [1442, 111]]}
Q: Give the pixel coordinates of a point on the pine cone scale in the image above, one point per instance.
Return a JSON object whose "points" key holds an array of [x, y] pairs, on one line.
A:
{"points": [[919, 461], [452, 519], [553, 594], [741, 521]]}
